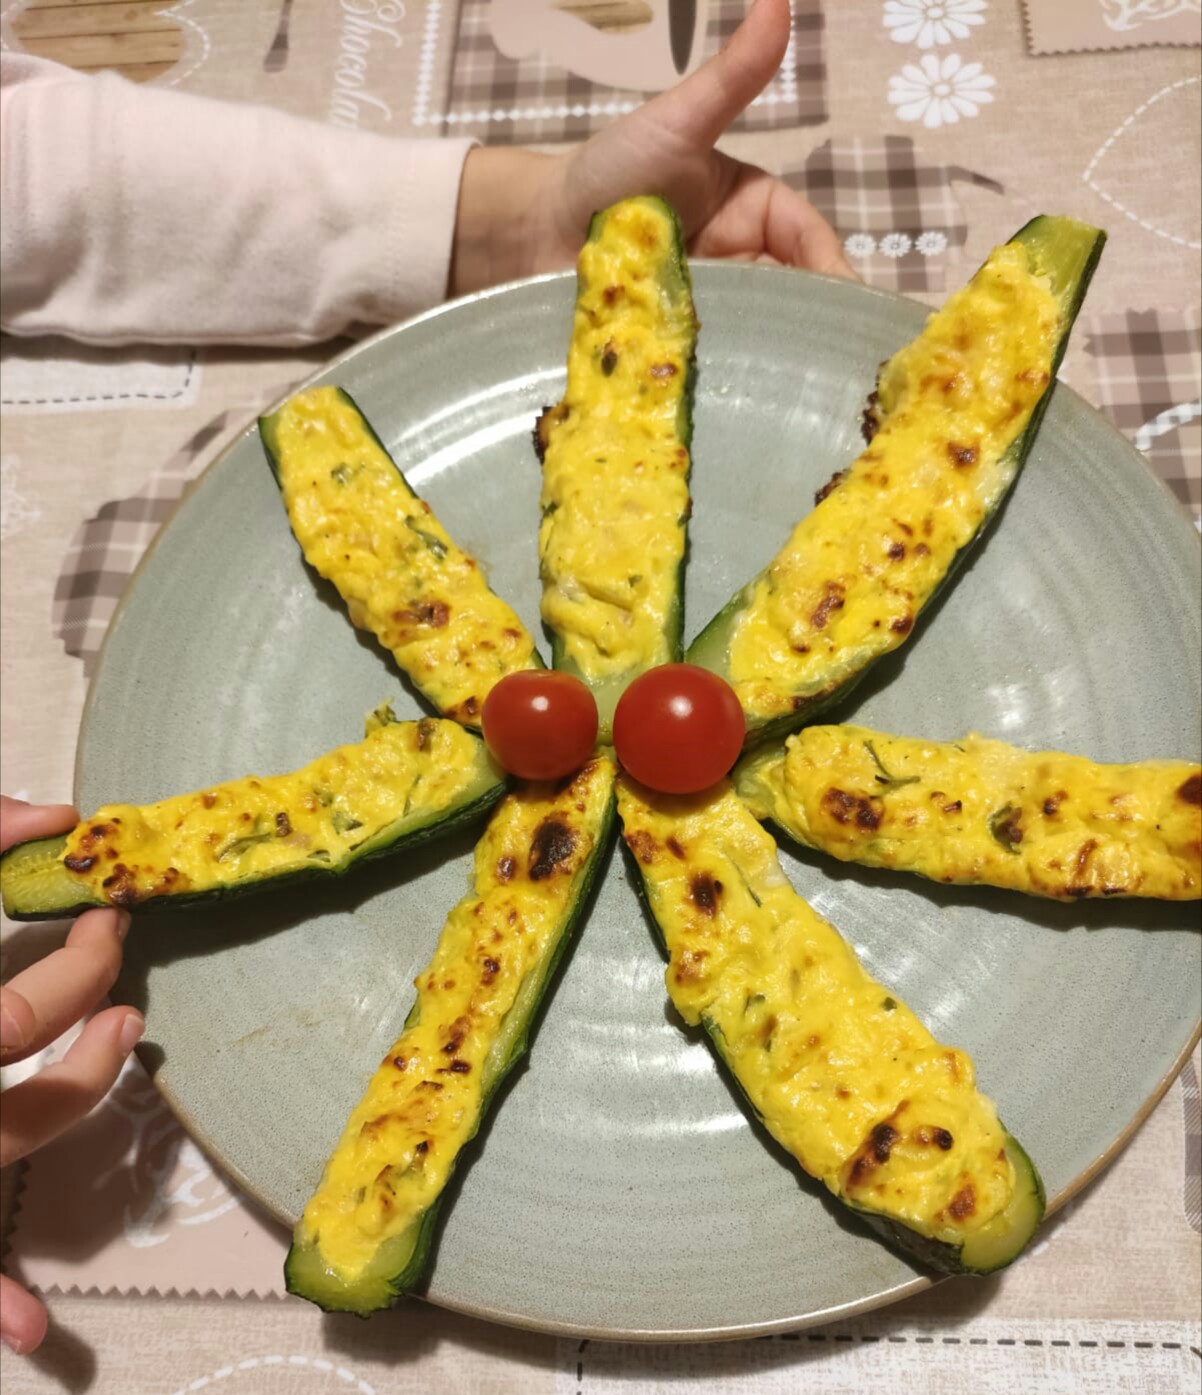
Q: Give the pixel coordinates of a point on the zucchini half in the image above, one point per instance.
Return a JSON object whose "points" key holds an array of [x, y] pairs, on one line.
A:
{"points": [[615, 456], [365, 1236], [977, 812], [838, 1070], [954, 416], [402, 577], [405, 783]]}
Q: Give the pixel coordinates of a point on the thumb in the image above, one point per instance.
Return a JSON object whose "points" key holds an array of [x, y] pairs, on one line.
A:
{"points": [[19, 821], [701, 107]]}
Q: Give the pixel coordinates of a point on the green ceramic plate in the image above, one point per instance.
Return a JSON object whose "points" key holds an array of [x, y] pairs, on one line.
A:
{"points": [[620, 1190]]}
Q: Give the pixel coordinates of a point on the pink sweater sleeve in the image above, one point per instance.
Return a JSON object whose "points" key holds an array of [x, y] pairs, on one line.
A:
{"points": [[140, 214]]}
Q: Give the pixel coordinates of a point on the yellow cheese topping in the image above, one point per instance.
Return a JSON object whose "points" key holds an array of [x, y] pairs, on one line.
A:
{"points": [[615, 471], [979, 811], [473, 1002], [842, 1073], [395, 566], [401, 777], [855, 572]]}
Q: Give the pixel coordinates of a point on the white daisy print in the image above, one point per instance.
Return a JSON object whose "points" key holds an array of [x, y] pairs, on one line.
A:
{"points": [[860, 245], [895, 244], [939, 91], [930, 244], [930, 22]]}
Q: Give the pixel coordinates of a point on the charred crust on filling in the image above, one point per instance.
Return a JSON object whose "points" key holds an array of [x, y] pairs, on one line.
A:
{"points": [[579, 782], [962, 457], [455, 1068], [964, 1203], [882, 1138], [506, 867], [830, 486], [643, 846], [120, 887], [689, 967], [832, 600], [870, 422], [847, 808], [79, 864], [548, 418], [432, 613], [425, 732], [1080, 866], [941, 1138], [283, 825], [705, 892], [1190, 791], [661, 372], [492, 967], [552, 845], [675, 848], [897, 550], [874, 1154], [902, 625]]}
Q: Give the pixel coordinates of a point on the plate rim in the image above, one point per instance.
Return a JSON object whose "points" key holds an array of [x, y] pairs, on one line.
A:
{"points": [[522, 1321]]}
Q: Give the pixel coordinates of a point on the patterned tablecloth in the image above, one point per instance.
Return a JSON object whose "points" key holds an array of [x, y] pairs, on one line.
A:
{"points": [[925, 131]]}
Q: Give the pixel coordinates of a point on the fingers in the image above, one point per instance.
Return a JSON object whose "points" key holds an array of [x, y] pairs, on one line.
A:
{"points": [[22, 1317], [40, 1108], [701, 107], [796, 234], [40, 1003], [762, 217], [20, 821]]}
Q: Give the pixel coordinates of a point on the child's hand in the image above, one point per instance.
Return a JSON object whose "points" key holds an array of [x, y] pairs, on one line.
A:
{"points": [[521, 213], [36, 1007]]}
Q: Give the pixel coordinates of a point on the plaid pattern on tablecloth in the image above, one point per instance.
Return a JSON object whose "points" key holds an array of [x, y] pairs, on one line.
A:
{"points": [[506, 101], [1191, 1106], [1149, 374], [106, 549], [896, 210]]}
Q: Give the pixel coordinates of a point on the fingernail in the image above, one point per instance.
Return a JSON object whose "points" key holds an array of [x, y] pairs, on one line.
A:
{"points": [[12, 1038], [12, 1343], [131, 1031], [122, 924]]}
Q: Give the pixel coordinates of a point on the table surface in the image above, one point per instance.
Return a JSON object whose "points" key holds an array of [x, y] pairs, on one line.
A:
{"points": [[158, 1276]]}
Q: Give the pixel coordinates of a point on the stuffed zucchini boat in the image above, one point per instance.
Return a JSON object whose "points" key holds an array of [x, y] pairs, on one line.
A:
{"points": [[980, 812], [838, 1070], [402, 577], [365, 1236], [615, 456], [405, 783], [954, 415]]}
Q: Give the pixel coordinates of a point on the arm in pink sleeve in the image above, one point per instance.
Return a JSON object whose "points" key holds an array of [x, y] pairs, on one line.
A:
{"points": [[140, 214]]}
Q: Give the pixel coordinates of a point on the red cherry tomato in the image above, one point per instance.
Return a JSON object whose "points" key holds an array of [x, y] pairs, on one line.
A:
{"points": [[539, 724], [678, 728]]}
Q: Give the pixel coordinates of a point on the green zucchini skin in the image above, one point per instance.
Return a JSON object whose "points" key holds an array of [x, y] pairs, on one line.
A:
{"points": [[1016, 1225], [675, 279], [1067, 253], [306, 1274], [35, 885], [269, 438]]}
